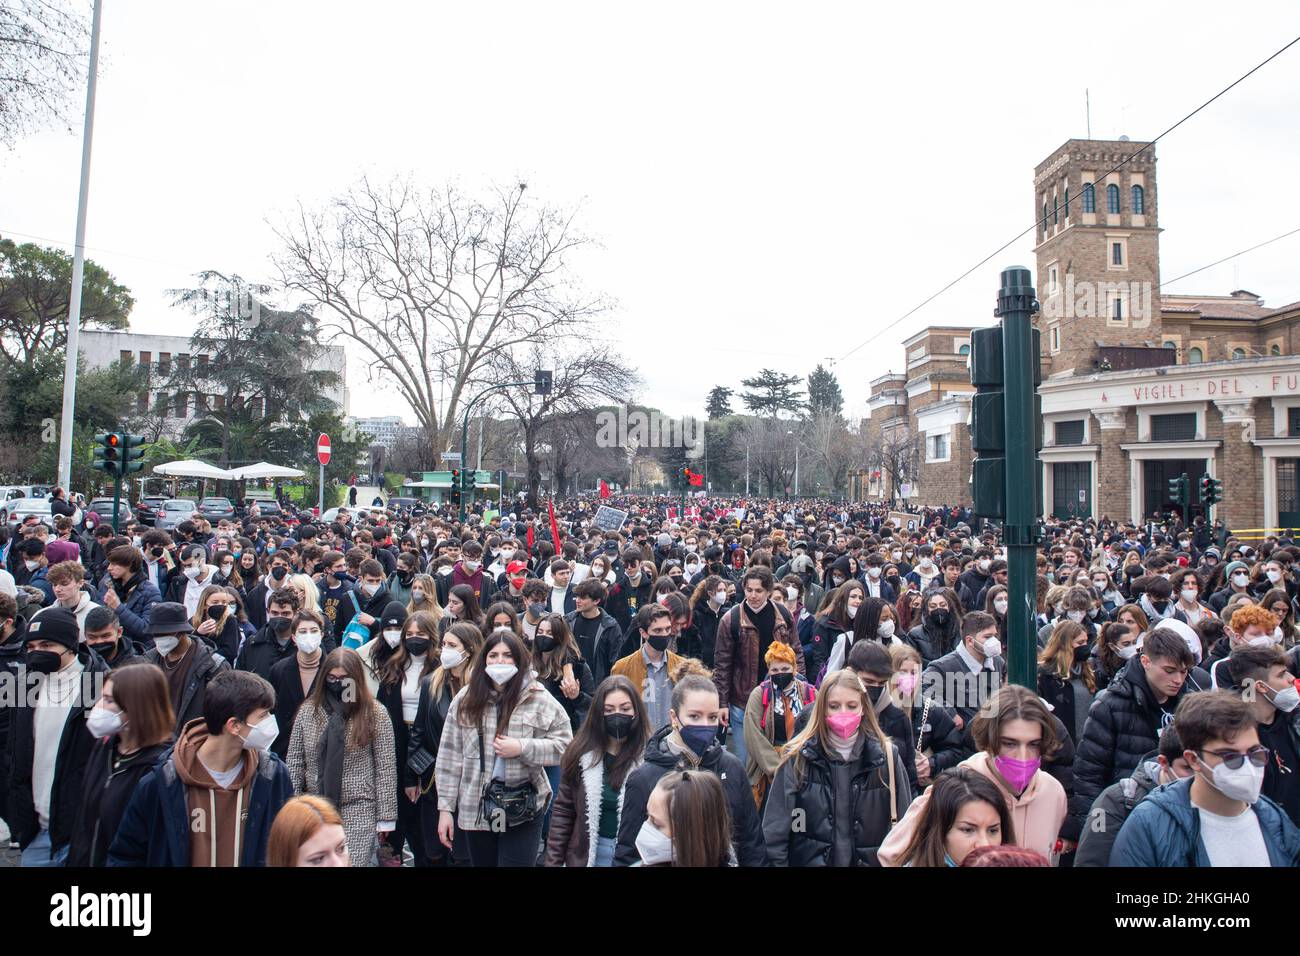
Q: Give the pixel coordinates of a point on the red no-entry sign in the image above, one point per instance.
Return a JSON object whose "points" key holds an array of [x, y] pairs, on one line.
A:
{"points": [[323, 449]]}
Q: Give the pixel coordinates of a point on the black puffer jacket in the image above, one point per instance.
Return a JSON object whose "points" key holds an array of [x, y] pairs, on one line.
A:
{"points": [[812, 801], [1124, 724], [661, 758], [933, 642], [701, 637], [825, 633], [110, 782]]}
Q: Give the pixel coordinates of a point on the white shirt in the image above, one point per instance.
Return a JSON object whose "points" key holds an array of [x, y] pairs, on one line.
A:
{"points": [[411, 687], [194, 590], [1233, 841], [55, 697], [224, 778], [557, 600]]}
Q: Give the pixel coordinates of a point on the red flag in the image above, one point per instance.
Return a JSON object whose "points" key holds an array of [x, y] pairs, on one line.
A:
{"points": [[604, 489], [555, 528], [530, 539]]}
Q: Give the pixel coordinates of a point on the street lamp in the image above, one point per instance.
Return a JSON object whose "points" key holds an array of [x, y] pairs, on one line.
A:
{"points": [[796, 462]]}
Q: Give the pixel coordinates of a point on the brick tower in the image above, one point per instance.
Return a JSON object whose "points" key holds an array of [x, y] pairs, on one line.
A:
{"points": [[1098, 251]]}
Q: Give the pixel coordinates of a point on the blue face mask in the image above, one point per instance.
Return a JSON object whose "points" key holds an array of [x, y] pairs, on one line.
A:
{"points": [[270, 549], [699, 737]]}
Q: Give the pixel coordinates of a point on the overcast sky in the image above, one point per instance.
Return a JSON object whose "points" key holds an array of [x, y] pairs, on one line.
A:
{"points": [[771, 184]]}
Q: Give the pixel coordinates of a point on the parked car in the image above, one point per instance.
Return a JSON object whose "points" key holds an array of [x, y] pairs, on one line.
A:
{"points": [[16, 510], [332, 514], [104, 508], [147, 508], [215, 509], [396, 503], [173, 512], [267, 508], [42, 491]]}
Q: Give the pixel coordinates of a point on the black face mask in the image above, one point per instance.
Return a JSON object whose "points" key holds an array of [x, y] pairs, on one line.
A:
{"points": [[417, 645], [105, 649], [279, 571], [546, 643], [334, 688], [782, 681], [1081, 653], [1160, 606], [874, 693], [660, 644], [44, 662], [619, 726], [939, 618], [279, 626], [157, 552]]}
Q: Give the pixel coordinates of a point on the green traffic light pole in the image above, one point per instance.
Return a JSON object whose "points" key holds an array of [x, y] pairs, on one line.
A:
{"points": [[464, 433], [1016, 304]]}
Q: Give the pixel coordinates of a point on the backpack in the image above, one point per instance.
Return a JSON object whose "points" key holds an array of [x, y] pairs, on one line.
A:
{"points": [[356, 633]]}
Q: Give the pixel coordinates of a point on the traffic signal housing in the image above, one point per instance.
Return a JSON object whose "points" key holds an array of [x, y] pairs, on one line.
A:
{"points": [[109, 449], [1180, 491], [988, 423], [455, 486], [1211, 490], [132, 452]]}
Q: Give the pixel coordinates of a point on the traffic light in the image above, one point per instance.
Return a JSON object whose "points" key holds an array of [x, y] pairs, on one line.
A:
{"points": [[132, 452], [455, 486], [1180, 491], [471, 482], [1211, 491], [109, 448], [988, 423]]}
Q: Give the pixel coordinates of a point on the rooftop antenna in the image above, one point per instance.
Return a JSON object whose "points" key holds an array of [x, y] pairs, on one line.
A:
{"points": [[1087, 109]]}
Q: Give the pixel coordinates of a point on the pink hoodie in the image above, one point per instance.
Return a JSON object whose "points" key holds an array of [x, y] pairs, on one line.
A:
{"points": [[1037, 814]]}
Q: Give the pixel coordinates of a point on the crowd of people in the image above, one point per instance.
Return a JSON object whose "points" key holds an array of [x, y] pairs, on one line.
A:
{"points": [[756, 682]]}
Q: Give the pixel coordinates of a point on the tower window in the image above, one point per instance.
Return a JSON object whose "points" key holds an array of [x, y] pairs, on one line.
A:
{"points": [[1238, 354], [1117, 253], [1089, 198], [1117, 309], [1112, 199], [1044, 218], [1139, 201], [1067, 203], [1275, 349], [1195, 356], [1056, 209]]}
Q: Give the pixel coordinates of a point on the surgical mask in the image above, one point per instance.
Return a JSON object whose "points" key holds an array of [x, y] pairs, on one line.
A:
{"points": [[424, 542], [1100, 585], [1018, 773], [102, 722], [1287, 699], [166, 644], [31, 565], [451, 657], [392, 637], [308, 641], [1000, 605], [1188, 595], [1264, 640], [261, 736], [1075, 616], [226, 569], [417, 596], [791, 593], [1244, 783], [501, 674], [853, 611], [885, 629], [984, 566], [470, 566], [905, 681], [1126, 653], [837, 579], [652, 846]]}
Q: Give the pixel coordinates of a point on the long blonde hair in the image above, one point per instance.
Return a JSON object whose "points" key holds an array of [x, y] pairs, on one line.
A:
{"points": [[304, 583], [816, 727], [430, 603]]}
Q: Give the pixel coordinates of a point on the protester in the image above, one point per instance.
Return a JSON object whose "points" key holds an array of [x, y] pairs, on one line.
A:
{"points": [[307, 831], [965, 811], [687, 823]]}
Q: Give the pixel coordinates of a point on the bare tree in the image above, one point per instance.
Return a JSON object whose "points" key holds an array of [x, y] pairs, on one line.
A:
{"points": [[433, 286], [827, 438], [43, 49], [895, 456], [772, 452], [584, 378]]}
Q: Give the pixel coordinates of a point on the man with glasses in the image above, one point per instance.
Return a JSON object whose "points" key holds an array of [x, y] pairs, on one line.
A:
{"points": [[1216, 817]]}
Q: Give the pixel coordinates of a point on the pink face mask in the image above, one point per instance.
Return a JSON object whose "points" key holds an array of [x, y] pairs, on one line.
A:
{"points": [[1018, 773], [844, 724], [905, 682]]}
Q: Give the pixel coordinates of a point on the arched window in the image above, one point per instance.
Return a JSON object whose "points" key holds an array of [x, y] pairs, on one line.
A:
{"points": [[1139, 204], [1112, 199], [1056, 209], [1171, 345], [1275, 350], [1089, 198], [1195, 356], [965, 350], [1044, 217], [1238, 354], [1067, 203]]}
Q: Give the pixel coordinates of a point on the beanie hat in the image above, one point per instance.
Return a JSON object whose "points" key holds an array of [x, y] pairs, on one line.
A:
{"points": [[56, 624], [57, 551], [778, 653], [1234, 566], [394, 614]]}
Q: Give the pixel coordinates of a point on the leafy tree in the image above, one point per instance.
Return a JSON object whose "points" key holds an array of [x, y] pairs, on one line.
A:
{"points": [[770, 392], [824, 391], [719, 402], [35, 284]]}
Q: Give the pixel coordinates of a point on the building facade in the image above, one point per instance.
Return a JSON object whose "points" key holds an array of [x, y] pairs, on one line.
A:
{"points": [[1139, 386]]}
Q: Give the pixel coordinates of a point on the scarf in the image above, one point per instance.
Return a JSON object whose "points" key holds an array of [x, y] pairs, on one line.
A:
{"points": [[333, 744]]}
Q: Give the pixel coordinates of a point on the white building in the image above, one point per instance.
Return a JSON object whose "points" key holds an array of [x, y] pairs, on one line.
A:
{"points": [[163, 352], [385, 430]]}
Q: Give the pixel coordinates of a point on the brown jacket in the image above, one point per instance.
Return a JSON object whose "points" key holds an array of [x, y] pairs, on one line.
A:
{"points": [[735, 656], [218, 816], [575, 821], [633, 667]]}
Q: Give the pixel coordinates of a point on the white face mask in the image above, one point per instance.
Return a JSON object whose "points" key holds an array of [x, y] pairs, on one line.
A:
{"points": [[193, 573], [1240, 579], [1075, 616], [392, 637], [927, 563], [1000, 605], [1126, 653], [370, 590], [261, 736], [1188, 595], [896, 555], [652, 846], [424, 542], [692, 569], [720, 596], [1244, 783], [501, 674], [1274, 576], [102, 722], [31, 565], [885, 629], [853, 611], [1286, 699], [873, 572], [308, 641], [791, 593], [470, 566], [166, 644], [1100, 586], [984, 565], [992, 647], [451, 657]]}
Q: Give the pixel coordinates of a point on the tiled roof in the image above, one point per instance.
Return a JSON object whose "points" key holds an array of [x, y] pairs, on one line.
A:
{"points": [[1215, 307], [1289, 307]]}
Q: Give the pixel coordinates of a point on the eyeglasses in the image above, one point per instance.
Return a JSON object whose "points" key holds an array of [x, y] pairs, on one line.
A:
{"points": [[1258, 756]]}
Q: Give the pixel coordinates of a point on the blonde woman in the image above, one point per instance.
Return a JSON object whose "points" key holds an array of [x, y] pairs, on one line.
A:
{"points": [[1065, 676], [841, 751], [342, 749], [424, 597], [309, 600], [216, 621]]}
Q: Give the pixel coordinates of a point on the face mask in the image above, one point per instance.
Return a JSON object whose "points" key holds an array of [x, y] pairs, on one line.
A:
{"points": [[658, 642], [1263, 640], [470, 566], [905, 681], [1188, 595], [619, 726], [984, 566], [501, 673], [392, 637], [939, 618], [1126, 653], [417, 646], [698, 737], [1000, 605], [1285, 700], [927, 564], [1075, 616], [652, 846], [1081, 653], [885, 629], [782, 681], [992, 647], [308, 641], [193, 573], [896, 555], [417, 596], [692, 569], [102, 722], [844, 724], [424, 542], [156, 552], [1100, 586], [1018, 773], [44, 662], [31, 565], [226, 569], [166, 644], [370, 590], [545, 643], [217, 612], [1244, 783], [837, 579], [262, 735], [1160, 606], [720, 596], [536, 610], [853, 611], [1274, 576], [334, 687], [451, 657], [873, 573], [1239, 580]]}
